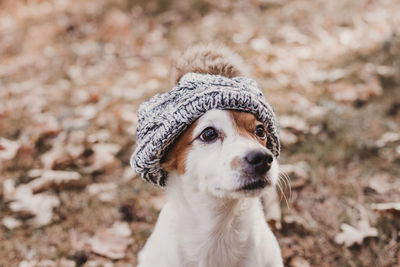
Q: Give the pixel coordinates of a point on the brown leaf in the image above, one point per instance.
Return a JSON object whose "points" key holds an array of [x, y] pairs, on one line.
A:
{"points": [[393, 207], [298, 174], [50, 178], [388, 137], [39, 205], [355, 235], [287, 138], [8, 149], [106, 192], [112, 242], [295, 123], [298, 261], [380, 184], [104, 155], [11, 223]]}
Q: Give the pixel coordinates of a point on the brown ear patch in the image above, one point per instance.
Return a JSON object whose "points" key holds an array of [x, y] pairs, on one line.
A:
{"points": [[175, 159], [245, 123]]}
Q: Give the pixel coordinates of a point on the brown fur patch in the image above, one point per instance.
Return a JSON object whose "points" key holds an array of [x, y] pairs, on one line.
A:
{"points": [[210, 59], [175, 160], [246, 123], [236, 163]]}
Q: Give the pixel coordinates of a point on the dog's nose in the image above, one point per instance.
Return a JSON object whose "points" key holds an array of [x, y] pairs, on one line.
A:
{"points": [[259, 161]]}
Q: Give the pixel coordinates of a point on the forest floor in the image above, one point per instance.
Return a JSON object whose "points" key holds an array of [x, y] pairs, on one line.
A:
{"points": [[72, 74]]}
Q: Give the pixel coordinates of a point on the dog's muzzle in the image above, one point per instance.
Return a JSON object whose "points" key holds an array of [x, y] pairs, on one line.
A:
{"points": [[258, 162]]}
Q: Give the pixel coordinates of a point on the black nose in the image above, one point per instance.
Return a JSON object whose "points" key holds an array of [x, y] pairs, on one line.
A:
{"points": [[258, 161]]}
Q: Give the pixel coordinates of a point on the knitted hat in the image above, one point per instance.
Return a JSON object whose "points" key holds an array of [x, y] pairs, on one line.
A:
{"points": [[164, 117]]}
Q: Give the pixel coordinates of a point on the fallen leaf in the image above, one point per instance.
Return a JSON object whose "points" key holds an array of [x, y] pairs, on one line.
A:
{"points": [[9, 189], [351, 235], [8, 149], [260, 44], [158, 202], [40, 206], [344, 92], [67, 263], [389, 137], [11, 223], [104, 155], [42, 263], [298, 261], [295, 123], [112, 242], [380, 184], [393, 207], [298, 173], [106, 192], [287, 138], [50, 178], [303, 223], [128, 175], [98, 262], [31, 263]]}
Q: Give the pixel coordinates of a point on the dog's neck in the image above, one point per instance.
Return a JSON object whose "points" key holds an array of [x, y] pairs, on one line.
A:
{"points": [[215, 229]]}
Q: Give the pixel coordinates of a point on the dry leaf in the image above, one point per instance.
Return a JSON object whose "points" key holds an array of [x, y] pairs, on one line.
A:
{"points": [[31, 263], [40, 206], [128, 175], [9, 189], [11, 223], [380, 184], [112, 242], [393, 207], [298, 174], [389, 137], [104, 155], [98, 262], [8, 149], [295, 123], [50, 178], [287, 138], [298, 261], [260, 44], [348, 92], [42, 263], [351, 235], [344, 92], [106, 192], [158, 202]]}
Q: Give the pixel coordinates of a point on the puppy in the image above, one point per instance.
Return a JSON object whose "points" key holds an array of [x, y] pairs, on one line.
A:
{"points": [[217, 169]]}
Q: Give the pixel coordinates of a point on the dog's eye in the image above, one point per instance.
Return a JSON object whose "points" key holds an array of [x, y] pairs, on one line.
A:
{"points": [[208, 135], [260, 132]]}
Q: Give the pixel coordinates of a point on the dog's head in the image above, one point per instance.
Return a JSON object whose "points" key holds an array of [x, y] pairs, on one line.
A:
{"points": [[223, 154], [226, 151]]}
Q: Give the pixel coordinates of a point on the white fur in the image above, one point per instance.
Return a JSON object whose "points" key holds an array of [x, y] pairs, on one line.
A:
{"points": [[207, 221]]}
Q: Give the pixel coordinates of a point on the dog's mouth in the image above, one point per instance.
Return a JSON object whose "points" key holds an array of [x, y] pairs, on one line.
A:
{"points": [[254, 185]]}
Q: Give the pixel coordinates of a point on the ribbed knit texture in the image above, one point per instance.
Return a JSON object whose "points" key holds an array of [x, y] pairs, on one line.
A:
{"points": [[165, 116]]}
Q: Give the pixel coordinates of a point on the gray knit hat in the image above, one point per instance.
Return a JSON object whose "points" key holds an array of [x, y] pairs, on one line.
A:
{"points": [[165, 116]]}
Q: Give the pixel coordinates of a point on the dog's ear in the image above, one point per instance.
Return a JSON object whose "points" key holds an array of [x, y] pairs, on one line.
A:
{"points": [[211, 59], [175, 159]]}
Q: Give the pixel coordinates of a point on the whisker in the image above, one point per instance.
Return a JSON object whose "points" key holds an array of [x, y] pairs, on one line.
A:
{"points": [[286, 178], [280, 190]]}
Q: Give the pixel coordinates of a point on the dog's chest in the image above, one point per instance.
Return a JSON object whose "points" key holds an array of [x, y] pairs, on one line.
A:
{"points": [[226, 244]]}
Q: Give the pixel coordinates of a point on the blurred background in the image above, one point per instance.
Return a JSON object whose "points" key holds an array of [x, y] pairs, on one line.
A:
{"points": [[72, 74]]}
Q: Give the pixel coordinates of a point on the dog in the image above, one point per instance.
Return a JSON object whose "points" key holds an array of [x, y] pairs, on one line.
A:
{"points": [[218, 169]]}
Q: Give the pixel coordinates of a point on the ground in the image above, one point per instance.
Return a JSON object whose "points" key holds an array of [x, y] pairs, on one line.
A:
{"points": [[72, 74]]}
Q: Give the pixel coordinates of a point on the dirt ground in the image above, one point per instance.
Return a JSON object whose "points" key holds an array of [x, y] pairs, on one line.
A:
{"points": [[72, 74]]}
